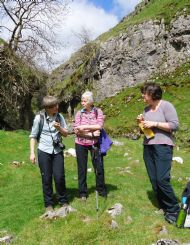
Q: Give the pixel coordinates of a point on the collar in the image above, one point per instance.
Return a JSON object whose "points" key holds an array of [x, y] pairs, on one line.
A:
{"points": [[50, 117], [83, 110]]}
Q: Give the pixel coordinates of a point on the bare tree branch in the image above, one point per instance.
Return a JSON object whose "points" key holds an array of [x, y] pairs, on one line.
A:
{"points": [[33, 25]]}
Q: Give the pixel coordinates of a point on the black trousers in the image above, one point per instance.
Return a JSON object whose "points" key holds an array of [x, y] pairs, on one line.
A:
{"points": [[158, 160], [98, 165], [52, 166]]}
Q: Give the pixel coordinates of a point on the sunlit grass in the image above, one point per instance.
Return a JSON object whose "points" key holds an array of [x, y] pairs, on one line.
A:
{"points": [[21, 198]]}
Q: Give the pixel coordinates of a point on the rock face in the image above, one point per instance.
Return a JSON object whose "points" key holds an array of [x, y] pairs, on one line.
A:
{"points": [[144, 50], [133, 57]]}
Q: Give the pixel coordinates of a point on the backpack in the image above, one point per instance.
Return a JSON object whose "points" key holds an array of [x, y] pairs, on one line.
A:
{"points": [[183, 220], [41, 123]]}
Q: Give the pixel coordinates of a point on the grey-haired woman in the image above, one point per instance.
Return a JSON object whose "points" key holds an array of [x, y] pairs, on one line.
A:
{"points": [[88, 123]]}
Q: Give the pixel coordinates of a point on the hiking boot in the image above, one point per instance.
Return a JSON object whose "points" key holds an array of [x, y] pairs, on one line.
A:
{"points": [[49, 209], [103, 194], [49, 213], [160, 211], [64, 205], [171, 217]]}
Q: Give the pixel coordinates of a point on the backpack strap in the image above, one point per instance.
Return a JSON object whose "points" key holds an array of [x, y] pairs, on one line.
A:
{"points": [[41, 122], [95, 112]]}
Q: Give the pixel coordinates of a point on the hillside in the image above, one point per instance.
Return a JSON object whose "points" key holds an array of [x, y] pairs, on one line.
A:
{"points": [[152, 41]]}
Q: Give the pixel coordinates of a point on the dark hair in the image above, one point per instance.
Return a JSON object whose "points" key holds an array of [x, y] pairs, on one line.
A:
{"points": [[152, 89]]}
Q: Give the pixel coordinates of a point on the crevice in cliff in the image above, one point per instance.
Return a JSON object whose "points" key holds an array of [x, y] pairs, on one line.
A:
{"points": [[178, 44]]}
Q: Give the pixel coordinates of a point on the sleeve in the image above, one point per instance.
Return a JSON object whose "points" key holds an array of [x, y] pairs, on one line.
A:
{"points": [[100, 118], [62, 122], [171, 116], [35, 127], [77, 121]]}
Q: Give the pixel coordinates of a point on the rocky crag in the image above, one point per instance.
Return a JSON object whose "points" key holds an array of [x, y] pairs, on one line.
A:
{"points": [[135, 55]]}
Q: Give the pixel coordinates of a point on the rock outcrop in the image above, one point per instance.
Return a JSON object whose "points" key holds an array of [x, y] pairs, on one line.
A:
{"points": [[132, 57], [139, 54]]}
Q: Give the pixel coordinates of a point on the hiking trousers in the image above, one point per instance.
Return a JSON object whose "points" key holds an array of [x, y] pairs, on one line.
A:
{"points": [[52, 166], [98, 165], [158, 160]]}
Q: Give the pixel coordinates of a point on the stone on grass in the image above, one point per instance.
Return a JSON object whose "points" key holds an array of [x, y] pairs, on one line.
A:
{"points": [[6, 239], [115, 209], [63, 211], [118, 143], [70, 152], [114, 224], [59, 213], [163, 231], [126, 154], [129, 220], [167, 242], [178, 160]]}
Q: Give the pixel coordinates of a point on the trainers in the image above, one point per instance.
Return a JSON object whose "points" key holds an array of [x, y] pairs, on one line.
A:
{"points": [[171, 217]]}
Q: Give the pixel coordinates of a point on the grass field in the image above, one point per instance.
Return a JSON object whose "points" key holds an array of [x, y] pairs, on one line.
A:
{"points": [[21, 198]]}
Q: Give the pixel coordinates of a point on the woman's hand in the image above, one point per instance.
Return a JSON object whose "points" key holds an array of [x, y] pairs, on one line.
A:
{"points": [[57, 125], [140, 118], [96, 133], [149, 124], [33, 158]]}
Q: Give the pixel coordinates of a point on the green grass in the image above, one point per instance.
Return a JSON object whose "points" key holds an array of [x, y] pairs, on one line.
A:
{"points": [[21, 198], [155, 9]]}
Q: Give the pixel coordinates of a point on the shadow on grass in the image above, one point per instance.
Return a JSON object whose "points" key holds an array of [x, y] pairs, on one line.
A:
{"points": [[73, 192], [152, 198]]}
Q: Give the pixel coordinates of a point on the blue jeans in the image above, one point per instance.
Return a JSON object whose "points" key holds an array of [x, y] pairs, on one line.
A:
{"points": [[97, 161], [52, 166], [158, 160]]}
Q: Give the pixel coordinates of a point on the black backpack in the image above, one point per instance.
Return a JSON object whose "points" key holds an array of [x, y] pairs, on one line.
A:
{"points": [[186, 191], [41, 123]]}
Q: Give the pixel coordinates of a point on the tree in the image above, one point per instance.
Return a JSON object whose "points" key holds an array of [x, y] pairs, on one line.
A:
{"points": [[84, 35], [31, 27]]}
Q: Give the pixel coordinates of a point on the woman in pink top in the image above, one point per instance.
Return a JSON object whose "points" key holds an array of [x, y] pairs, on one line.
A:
{"points": [[160, 116], [88, 123]]}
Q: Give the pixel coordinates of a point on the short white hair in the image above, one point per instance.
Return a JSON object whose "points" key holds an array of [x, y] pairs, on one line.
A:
{"points": [[88, 95]]}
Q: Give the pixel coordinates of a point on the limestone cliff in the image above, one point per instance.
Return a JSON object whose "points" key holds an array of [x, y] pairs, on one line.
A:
{"points": [[138, 53]]}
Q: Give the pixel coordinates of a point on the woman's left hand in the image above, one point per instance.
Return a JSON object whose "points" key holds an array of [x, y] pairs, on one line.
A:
{"points": [[56, 125], [148, 124]]}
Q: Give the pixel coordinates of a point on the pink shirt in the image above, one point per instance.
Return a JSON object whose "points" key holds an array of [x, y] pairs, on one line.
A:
{"points": [[95, 116]]}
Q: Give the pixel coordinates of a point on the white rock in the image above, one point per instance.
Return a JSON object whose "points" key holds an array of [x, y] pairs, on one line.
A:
{"points": [[114, 224], [70, 152], [178, 160], [6, 239], [115, 210], [118, 143], [89, 170]]}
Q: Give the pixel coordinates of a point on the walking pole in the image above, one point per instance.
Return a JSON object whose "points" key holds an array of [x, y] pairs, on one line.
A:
{"points": [[97, 206]]}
